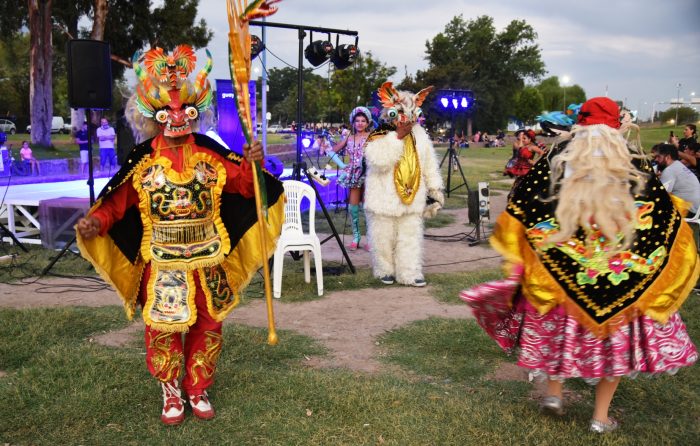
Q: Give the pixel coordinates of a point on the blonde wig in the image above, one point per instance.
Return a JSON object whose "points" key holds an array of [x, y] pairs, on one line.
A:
{"points": [[594, 181]]}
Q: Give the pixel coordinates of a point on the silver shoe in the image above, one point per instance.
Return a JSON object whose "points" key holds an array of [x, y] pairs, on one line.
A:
{"points": [[603, 428], [552, 405]]}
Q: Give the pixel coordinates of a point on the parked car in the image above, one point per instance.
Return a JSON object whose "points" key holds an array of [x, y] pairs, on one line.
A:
{"points": [[8, 126], [274, 128], [58, 125]]}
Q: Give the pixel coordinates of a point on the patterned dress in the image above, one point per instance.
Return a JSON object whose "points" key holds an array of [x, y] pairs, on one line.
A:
{"points": [[353, 175], [570, 312]]}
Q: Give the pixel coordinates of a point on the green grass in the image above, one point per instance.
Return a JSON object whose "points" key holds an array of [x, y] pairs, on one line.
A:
{"points": [[65, 389], [31, 264], [446, 287]]}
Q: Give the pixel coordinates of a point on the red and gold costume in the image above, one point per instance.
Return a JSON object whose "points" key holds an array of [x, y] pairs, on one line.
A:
{"points": [[178, 227]]}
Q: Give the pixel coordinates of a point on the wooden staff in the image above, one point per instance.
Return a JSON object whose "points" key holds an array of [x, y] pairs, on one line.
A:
{"points": [[239, 13]]}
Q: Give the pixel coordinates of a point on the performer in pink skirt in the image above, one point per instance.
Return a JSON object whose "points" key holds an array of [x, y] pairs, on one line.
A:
{"points": [[600, 260]]}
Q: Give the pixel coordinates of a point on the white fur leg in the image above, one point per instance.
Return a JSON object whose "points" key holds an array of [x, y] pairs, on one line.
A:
{"points": [[409, 249], [381, 232]]}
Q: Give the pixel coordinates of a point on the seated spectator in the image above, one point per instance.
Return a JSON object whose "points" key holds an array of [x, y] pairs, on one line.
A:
{"points": [[677, 178], [322, 144], [31, 164]]}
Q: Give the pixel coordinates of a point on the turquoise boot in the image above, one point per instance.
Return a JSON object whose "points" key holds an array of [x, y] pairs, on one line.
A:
{"points": [[355, 215]]}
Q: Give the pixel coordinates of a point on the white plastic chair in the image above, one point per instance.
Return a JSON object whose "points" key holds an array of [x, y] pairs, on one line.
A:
{"points": [[695, 218], [293, 237]]}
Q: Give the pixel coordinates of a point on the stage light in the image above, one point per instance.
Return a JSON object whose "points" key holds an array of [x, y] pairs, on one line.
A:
{"points": [[318, 52], [306, 141], [256, 47], [344, 55], [456, 99]]}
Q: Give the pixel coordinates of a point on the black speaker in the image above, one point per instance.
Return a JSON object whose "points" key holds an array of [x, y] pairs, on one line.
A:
{"points": [[89, 74], [473, 207]]}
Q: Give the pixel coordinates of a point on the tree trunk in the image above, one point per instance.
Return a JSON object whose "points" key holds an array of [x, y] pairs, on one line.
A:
{"points": [[98, 26], [40, 64]]}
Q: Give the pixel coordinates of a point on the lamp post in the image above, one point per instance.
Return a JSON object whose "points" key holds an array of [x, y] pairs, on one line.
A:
{"points": [[678, 100], [564, 80]]}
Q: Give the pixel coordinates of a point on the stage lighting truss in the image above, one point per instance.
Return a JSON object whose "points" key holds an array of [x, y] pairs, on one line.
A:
{"points": [[256, 46], [456, 100], [318, 51]]}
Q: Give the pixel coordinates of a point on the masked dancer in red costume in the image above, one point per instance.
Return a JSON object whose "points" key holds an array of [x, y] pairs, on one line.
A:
{"points": [[175, 231], [600, 260]]}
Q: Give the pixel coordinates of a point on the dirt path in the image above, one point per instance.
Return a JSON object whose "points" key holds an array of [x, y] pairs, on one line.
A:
{"points": [[346, 322]]}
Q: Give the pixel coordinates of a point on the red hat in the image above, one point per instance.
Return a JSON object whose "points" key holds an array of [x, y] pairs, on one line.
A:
{"points": [[599, 110]]}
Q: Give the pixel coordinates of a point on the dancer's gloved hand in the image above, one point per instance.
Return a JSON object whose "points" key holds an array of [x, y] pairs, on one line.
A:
{"points": [[435, 202], [88, 227]]}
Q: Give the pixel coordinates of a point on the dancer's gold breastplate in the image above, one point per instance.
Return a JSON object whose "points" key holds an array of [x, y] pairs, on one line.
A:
{"points": [[180, 213]]}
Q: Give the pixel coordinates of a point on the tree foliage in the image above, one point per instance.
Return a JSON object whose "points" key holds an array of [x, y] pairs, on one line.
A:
{"points": [[325, 99], [494, 65], [528, 103], [130, 25], [354, 86], [558, 97], [685, 115]]}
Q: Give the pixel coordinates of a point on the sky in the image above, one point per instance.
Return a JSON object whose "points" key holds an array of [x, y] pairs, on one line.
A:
{"points": [[637, 51]]}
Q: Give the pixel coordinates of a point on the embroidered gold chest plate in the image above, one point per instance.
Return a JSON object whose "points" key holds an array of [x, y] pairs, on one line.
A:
{"points": [[180, 212], [407, 171]]}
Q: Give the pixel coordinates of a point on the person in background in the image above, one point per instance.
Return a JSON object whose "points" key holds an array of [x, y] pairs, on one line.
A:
{"points": [[353, 174], [526, 151], [689, 136], [322, 144], [81, 139], [27, 158], [105, 137], [676, 177]]}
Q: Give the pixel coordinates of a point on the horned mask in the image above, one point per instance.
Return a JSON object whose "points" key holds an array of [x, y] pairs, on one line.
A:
{"points": [[401, 106], [164, 93]]}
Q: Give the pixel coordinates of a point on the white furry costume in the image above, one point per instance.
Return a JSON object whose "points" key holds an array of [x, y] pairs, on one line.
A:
{"points": [[395, 227]]}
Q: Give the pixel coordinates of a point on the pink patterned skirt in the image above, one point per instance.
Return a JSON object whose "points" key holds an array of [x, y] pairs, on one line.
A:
{"points": [[557, 346]]}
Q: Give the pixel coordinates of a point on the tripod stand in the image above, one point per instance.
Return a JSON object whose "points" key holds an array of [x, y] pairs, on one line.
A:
{"points": [[300, 167], [453, 162], [9, 233], [91, 186]]}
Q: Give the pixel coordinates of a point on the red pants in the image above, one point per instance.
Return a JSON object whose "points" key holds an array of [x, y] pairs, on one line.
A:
{"points": [[200, 350]]}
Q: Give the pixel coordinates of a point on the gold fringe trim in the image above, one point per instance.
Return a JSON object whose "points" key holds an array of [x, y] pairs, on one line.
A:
{"points": [[661, 299]]}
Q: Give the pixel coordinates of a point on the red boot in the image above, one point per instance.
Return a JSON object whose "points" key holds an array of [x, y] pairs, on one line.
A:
{"points": [[173, 404]]}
